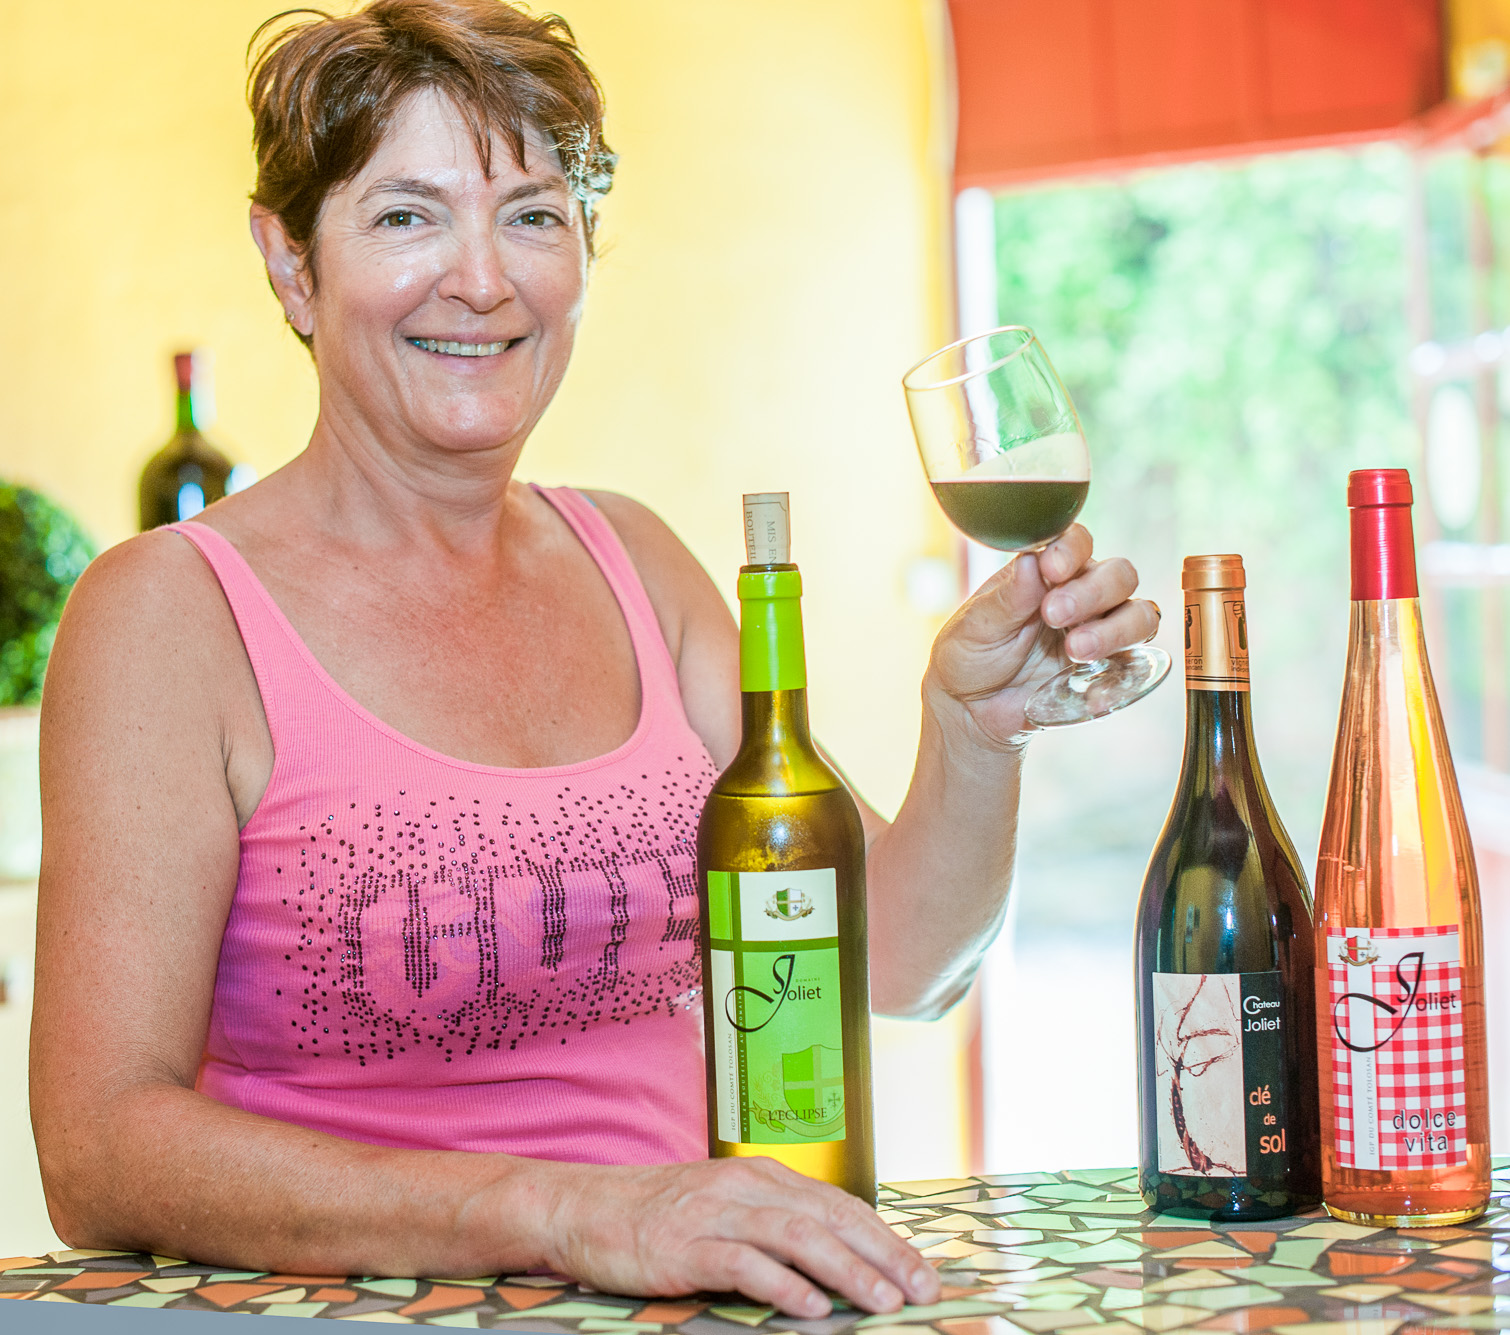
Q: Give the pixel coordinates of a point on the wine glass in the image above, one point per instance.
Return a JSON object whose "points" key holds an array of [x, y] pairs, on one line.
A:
{"points": [[1006, 456]]}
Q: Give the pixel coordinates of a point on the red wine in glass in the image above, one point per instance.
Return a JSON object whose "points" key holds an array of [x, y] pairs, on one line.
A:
{"points": [[1011, 514], [1004, 452]]}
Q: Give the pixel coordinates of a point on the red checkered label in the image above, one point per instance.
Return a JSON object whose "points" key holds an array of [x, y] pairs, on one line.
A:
{"points": [[1398, 1080]]}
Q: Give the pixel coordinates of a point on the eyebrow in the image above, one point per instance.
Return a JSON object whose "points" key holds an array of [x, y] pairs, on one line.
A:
{"points": [[413, 185]]}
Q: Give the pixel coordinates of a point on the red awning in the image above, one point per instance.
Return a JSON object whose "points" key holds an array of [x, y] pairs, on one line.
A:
{"points": [[1052, 87]]}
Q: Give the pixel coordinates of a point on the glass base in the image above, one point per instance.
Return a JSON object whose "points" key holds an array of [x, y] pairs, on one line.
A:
{"points": [[1436, 1219], [1094, 690]]}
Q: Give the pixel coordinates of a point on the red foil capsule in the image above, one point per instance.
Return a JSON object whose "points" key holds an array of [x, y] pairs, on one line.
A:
{"points": [[1384, 547]]}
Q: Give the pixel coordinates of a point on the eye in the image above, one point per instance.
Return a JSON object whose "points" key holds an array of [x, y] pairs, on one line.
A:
{"points": [[538, 218], [399, 218]]}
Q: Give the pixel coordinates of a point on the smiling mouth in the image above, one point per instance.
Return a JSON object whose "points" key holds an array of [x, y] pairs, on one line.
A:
{"points": [[454, 349]]}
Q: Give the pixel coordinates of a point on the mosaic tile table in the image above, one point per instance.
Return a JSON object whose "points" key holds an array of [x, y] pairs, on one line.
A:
{"points": [[1020, 1254]]}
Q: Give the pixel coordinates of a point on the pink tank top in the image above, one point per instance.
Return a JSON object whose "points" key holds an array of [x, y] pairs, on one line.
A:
{"points": [[428, 953]]}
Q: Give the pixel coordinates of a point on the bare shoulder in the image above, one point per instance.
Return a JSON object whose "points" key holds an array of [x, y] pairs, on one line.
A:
{"points": [[146, 632], [150, 596], [684, 597]]}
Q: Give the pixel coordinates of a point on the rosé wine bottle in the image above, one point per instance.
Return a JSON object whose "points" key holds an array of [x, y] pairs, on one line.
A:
{"points": [[1399, 942]]}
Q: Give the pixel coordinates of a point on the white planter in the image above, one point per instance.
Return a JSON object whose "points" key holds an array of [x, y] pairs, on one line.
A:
{"points": [[20, 794]]}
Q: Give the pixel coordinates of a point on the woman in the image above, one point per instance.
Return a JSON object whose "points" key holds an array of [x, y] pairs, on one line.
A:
{"points": [[366, 939]]}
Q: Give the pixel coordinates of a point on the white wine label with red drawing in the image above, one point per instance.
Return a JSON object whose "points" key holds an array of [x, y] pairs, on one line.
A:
{"points": [[1216, 640], [1219, 1074], [778, 1035], [1399, 1082]]}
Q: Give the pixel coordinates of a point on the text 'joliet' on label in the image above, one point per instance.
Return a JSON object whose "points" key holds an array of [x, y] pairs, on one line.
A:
{"points": [[1398, 1074], [774, 991]]}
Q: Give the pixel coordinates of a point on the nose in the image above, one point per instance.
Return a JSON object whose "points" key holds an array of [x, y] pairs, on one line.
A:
{"points": [[476, 274]]}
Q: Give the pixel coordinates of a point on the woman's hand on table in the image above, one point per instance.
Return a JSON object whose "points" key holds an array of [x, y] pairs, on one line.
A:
{"points": [[724, 1225], [1027, 623]]}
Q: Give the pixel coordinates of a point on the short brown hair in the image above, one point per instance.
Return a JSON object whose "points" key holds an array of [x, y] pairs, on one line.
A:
{"points": [[323, 92]]}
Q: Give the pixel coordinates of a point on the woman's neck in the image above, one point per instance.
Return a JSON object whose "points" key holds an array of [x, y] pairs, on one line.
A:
{"points": [[401, 490]]}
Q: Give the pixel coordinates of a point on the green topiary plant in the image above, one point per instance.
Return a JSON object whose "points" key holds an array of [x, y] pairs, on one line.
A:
{"points": [[42, 552]]}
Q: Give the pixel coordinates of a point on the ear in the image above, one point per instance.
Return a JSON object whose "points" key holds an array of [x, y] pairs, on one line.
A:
{"points": [[286, 269]]}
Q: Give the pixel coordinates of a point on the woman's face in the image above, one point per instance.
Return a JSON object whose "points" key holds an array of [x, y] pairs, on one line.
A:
{"points": [[446, 300]]}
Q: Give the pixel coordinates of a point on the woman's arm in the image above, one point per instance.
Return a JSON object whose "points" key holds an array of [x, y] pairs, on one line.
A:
{"points": [[145, 716], [953, 842]]}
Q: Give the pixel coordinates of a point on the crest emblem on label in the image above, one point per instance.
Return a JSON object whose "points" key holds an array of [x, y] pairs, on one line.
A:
{"points": [[789, 905], [813, 1082], [1359, 950]]}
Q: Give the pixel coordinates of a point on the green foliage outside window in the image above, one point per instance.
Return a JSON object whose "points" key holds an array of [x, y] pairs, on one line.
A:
{"points": [[42, 552], [1235, 336]]}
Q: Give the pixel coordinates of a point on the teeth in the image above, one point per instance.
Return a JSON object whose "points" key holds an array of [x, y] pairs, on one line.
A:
{"points": [[459, 349]]}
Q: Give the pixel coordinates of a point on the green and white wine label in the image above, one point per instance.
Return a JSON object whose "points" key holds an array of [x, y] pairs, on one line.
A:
{"points": [[1219, 1074], [778, 1037]]}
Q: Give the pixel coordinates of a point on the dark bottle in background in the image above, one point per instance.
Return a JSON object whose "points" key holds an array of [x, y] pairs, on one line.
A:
{"points": [[1227, 1097], [188, 473]]}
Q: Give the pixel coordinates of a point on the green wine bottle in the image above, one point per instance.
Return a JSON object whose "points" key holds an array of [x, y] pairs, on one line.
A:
{"points": [[1227, 1099], [188, 473], [781, 863]]}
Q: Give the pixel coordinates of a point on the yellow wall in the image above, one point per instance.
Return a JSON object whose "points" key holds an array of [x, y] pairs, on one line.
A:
{"points": [[773, 258], [1478, 46]]}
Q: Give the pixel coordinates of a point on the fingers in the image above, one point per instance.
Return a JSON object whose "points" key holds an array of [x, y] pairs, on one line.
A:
{"points": [[717, 1265], [841, 1242], [1098, 589], [1005, 603], [1065, 556], [800, 1240], [865, 1232], [996, 641], [1132, 623], [1051, 583], [748, 1224]]}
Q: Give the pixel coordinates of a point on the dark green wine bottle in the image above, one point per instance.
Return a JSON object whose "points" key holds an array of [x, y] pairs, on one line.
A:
{"points": [[781, 866], [188, 473], [1227, 1098]]}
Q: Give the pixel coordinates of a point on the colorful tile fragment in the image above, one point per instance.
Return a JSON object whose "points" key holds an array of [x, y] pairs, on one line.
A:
{"points": [[1070, 1253]]}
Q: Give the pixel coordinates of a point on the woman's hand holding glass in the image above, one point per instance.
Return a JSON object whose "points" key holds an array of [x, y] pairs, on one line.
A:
{"points": [[1004, 451], [1025, 624]]}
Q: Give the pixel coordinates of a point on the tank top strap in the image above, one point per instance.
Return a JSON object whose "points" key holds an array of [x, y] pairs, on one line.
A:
{"points": [[658, 678], [280, 662]]}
